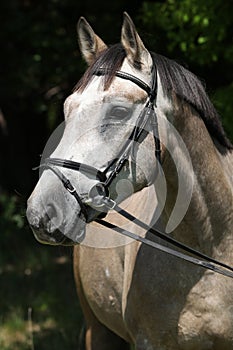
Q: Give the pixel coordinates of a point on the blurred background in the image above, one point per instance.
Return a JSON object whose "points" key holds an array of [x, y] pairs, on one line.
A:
{"points": [[40, 64]]}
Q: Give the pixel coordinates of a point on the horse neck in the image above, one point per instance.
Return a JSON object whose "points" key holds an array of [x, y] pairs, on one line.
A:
{"points": [[208, 223]]}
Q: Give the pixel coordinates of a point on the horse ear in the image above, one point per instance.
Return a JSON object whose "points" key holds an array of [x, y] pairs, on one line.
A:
{"points": [[136, 52], [90, 44]]}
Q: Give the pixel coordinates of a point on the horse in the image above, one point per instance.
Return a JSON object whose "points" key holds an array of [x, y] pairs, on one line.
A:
{"points": [[132, 294]]}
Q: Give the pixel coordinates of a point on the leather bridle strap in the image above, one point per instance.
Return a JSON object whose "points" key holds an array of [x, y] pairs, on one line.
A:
{"points": [[137, 134], [177, 254], [80, 167], [147, 114], [67, 184], [206, 262], [151, 91]]}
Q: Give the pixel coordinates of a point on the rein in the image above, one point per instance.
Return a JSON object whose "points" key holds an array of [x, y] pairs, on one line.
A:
{"points": [[98, 195], [205, 261]]}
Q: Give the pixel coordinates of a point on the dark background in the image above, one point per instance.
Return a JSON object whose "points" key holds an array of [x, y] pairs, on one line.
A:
{"points": [[40, 64]]}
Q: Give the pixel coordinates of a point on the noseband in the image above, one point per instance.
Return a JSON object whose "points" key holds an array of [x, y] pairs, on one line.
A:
{"points": [[98, 196]]}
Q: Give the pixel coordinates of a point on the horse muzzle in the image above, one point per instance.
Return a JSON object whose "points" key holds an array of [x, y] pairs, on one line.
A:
{"points": [[50, 225]]}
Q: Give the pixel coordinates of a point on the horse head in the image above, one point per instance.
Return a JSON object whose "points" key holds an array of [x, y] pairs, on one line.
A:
{"points": [[101, 120]]}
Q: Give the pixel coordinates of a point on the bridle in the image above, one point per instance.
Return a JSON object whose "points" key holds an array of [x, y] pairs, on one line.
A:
{"points": [[114, 167], [99, 193]]}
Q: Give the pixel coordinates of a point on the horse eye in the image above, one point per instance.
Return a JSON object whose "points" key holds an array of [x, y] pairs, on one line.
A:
{"points": [[119, 112]]}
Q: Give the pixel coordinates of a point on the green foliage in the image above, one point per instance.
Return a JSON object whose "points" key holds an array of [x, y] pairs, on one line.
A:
{"points": [[12, 214], [38, 301], [200, 29], [198, 33], [31, 276], [40, 49]]}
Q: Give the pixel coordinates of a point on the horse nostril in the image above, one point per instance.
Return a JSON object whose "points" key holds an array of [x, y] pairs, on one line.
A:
{"points": [[53, 217], [51, 211]]}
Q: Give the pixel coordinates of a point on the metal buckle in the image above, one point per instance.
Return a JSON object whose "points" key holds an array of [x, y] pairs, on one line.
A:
{"points": [[71, 190], [109, 203], [96, 195]]}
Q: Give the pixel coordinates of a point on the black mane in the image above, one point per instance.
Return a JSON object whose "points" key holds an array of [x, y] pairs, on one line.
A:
{"points": [[174, 78], [110, 59]]}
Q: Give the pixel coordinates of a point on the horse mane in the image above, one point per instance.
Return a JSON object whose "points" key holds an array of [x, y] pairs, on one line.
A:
{"points": [[111, 59], [174, 79]]}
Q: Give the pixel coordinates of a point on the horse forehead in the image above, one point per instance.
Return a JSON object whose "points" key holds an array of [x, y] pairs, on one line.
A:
{"points": [[77, 99], [123, 89]]}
